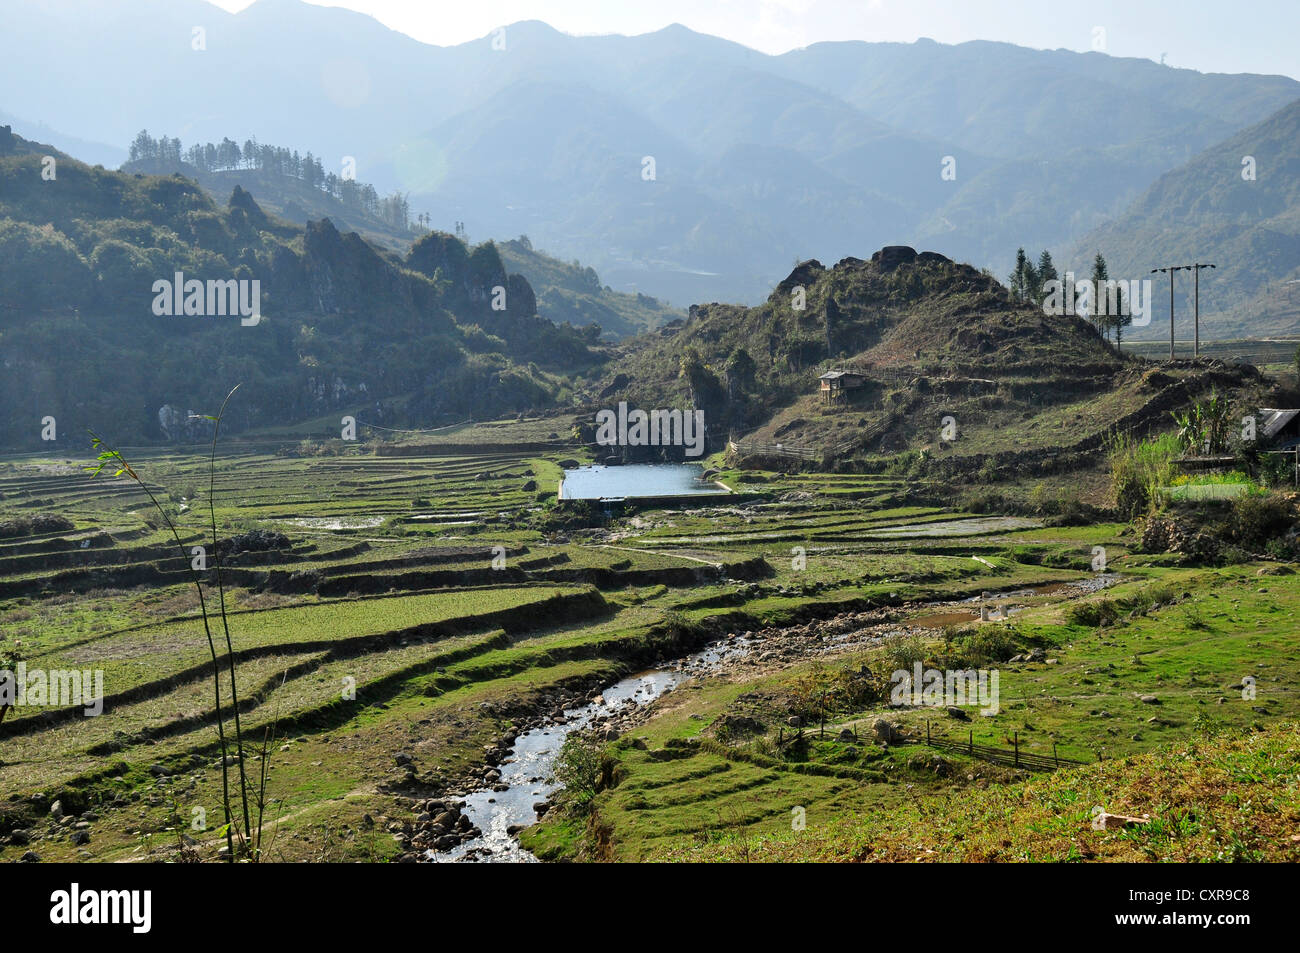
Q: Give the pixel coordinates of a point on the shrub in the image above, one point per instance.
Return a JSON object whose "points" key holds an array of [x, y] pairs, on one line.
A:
{"points": [[903, 651], [583, 768], [1257, 519], [1093, 614], [986, 645], [1138, 469], [983, 501], [1152, 597]]}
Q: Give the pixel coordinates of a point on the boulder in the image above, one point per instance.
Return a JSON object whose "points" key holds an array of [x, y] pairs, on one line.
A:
{"points": [[886, 731], [891, 256]]}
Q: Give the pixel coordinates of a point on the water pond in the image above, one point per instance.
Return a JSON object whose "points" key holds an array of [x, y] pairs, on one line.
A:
{"points": [[637, 480]]}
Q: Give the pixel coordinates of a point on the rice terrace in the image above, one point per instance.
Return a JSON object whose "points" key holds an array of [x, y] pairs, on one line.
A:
{"points": [[788, 519], [402, 614]]}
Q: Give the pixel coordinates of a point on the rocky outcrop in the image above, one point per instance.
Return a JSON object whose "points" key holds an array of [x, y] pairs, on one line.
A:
{"points": [[891, 256], [805, 273]]}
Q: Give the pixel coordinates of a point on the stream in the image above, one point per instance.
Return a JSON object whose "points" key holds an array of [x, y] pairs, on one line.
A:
{"points": [[528, 769], [532, 759]]}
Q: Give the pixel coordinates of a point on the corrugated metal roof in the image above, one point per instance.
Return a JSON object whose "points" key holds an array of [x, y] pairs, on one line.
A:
{"points": [[1276, 420]]}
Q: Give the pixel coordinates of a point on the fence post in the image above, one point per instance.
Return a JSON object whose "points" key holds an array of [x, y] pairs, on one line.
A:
{"points": [[1054, 757], [927, 731], [1016, 739], [970, 742]]}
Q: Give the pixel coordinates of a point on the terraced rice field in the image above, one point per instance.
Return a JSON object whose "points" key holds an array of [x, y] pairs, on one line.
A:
{"points": [[420, 606]]}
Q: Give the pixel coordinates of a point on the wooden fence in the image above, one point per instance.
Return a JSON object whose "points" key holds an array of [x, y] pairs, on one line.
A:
{"points": [[773, 450], [1011, 758], [749, 448]]}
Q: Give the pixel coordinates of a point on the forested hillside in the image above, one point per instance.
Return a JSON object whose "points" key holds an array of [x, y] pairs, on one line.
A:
{"points": [[344, 326]]}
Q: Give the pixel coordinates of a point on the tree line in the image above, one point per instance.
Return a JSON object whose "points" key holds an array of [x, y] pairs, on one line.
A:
{"points": [[1028, 282], [227, 155]]}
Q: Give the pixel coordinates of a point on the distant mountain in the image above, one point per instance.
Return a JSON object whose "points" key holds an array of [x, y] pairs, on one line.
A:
{"points": [[115, 315], [759, 160], [572, 293], [95, 153], [1237, 205]]}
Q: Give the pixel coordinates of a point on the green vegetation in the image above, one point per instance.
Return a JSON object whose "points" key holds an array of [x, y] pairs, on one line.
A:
{"points": [[80, 264], [1139, 469]]}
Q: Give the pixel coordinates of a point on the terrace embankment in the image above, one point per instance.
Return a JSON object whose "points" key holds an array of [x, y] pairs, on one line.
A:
{"points": [[562, 608]]}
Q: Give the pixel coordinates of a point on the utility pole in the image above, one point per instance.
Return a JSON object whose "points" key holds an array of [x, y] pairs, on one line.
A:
{"points": [[1196, 271], [1170, 270]]}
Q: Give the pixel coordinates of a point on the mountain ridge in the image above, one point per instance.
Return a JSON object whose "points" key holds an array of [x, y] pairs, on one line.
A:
{"points": [[393, 103]]}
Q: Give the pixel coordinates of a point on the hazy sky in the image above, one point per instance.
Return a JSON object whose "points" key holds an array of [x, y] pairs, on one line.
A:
{"points": [[1208, 35]]}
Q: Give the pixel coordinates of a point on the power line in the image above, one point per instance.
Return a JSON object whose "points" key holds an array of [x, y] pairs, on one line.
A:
{"points": [[1195, 269], [1196, 343], [1170, 271]]}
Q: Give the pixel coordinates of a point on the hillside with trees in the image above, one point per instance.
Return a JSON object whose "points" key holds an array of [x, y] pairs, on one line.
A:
{"points": [[296, 187], [947, 367], [345, 326], [1237, 205]]}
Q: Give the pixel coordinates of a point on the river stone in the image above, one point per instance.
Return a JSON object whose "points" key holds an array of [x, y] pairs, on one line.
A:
{"points": [[886, 731]]}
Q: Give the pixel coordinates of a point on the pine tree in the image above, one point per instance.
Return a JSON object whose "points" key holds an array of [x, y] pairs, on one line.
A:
{"points": [[1016, 280], [1030, 282], [1123, 317], [1046, 272], [1099, 277]]}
